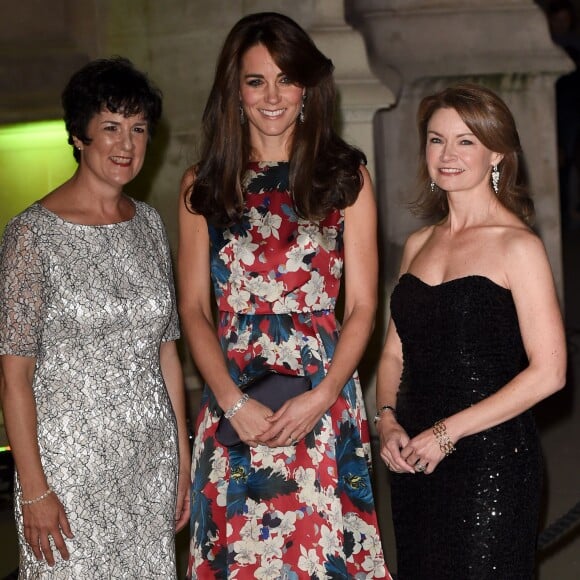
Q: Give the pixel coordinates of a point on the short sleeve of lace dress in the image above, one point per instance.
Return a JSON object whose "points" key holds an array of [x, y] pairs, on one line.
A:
{"points": [[172, 332], [21, 281]]}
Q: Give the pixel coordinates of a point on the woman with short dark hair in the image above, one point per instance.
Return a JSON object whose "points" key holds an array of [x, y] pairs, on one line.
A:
{"points": [[92, 390]]}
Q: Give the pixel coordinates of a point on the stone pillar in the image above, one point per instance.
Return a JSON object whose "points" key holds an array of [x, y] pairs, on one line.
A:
{"points": [[420, 46], [361, 94]]}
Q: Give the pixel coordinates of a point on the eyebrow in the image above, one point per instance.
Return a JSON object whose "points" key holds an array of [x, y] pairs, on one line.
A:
{"points": [[459, 135], [143, 122], [257, 75]]}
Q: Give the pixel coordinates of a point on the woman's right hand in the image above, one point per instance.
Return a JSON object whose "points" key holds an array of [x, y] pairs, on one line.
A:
{"points": [[392, 439], [251, 421], [43, 520]]}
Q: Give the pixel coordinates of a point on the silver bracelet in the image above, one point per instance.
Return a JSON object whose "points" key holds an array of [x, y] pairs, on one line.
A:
{"points": [[235, 408], [36, 499], [380, 412]]}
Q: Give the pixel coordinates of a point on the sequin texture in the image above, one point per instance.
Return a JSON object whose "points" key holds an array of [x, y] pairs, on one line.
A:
{"points": [[476, 516], [92, 304]]}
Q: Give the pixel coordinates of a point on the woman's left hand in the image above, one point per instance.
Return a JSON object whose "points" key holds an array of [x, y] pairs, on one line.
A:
{"points": [[422, 452], [295, 419]]}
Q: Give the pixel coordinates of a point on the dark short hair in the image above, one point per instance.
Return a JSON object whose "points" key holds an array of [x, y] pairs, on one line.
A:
{"points": [[108, 83]]}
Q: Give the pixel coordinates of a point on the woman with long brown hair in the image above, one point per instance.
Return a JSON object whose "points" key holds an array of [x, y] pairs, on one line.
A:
{"points": [[275, 208]]}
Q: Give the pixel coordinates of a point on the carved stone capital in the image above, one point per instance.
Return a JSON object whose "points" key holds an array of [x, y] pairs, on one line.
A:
{"points": [[408, 40]]}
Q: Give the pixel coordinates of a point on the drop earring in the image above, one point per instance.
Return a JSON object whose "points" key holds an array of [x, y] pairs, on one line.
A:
{"points": [[242, 116], [432, 186], [495, 179], [301, 115]]}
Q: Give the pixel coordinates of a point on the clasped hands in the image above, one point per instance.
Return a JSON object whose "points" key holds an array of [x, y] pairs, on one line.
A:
{"points": [[401, 454], [257, 424]]}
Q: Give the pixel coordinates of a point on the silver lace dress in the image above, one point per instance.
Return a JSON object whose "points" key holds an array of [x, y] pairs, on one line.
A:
{"points": [[92, 304]]}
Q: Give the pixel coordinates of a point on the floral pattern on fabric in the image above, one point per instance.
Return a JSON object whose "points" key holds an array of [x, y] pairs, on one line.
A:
{"points": [[289, 512]]}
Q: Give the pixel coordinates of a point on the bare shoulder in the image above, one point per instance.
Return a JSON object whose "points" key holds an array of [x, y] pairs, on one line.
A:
{"points": [[520, 243], [366, 194], [414, 244], [526, 263], [365, 173]]}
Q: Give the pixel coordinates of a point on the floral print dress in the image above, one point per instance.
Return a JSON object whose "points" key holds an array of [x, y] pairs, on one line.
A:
{"points": [[287, 512]]}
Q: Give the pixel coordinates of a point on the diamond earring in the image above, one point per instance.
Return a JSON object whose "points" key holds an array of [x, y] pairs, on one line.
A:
{"points": [[242, 115], [432, 186], [495, 179]]}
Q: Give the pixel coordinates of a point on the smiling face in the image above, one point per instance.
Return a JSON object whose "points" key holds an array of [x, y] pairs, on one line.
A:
{"points": [[271, 101], [117, 149], [456, 159]]}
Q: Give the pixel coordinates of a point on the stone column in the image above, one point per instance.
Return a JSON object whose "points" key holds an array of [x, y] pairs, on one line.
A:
{"points": [[417, 47], [361, 94]]}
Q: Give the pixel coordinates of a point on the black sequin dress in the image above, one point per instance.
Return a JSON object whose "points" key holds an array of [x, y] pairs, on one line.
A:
{"points": [[476, 516]]}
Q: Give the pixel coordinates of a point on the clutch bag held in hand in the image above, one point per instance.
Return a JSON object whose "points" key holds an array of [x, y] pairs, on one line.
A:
{"points": [[271, 389]]}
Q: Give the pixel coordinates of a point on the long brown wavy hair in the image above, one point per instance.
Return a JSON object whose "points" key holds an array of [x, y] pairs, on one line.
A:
{"points": [[490, 120], [324, 170]]}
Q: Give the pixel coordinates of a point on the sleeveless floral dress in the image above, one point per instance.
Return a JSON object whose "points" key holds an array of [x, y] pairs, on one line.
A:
{"points": [[288, 512]]}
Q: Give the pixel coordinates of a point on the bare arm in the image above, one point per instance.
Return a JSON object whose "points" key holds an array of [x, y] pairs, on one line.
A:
{"points": [[392, 436], [46, 517], [193, 273], [530, 280], [361, 282], [173, 377], [300, 415], [542, 330]]}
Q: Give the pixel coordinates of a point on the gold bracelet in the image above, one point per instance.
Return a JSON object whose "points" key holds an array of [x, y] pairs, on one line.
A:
{"points": [[440, 432], [36, 499]]}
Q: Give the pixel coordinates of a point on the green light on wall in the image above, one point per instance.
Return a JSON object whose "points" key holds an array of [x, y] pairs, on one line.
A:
{"points": [[34, 159]]}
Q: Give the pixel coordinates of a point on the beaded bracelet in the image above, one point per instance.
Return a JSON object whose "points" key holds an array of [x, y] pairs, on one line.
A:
{"points": [[445, 443], [380, 412], [235, 408], [36, 499]]}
